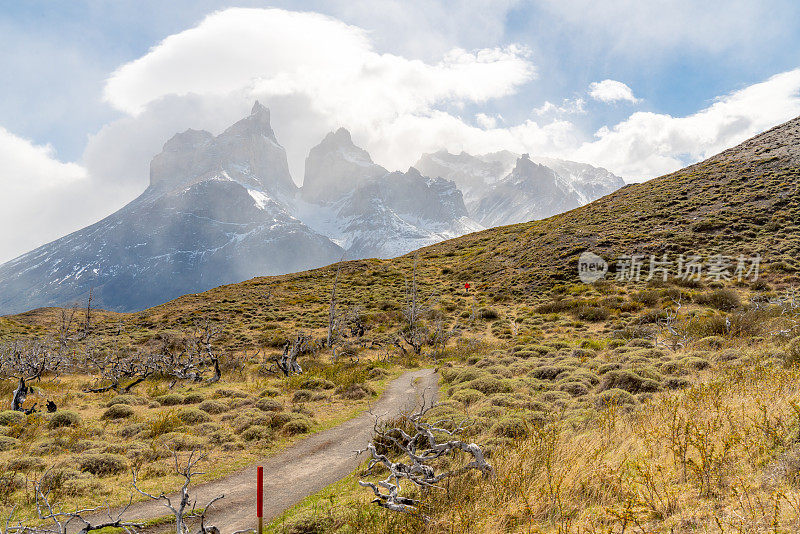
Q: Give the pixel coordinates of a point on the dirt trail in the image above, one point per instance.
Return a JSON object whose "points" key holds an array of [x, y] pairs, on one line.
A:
{"points": [[304, 468]]}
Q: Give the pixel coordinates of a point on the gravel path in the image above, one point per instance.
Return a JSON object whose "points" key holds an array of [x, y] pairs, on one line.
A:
{"points": [[302, 469]]}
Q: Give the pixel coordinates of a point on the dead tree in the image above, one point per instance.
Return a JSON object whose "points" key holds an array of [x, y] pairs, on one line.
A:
{"points": [[87, 325], [205, 337], [121, 371], [61, 521], [429, 442], [19, 396], [672, 334], [333, 320], [414, 333], [181, 509], [442, 334], [287, 362], [27, 361]]}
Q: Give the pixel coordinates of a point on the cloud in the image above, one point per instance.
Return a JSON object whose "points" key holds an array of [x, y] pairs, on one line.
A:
{"points": [[609, 91], [569, 106], [272, 54], [31, 180], [317, 73], [650, 144]]}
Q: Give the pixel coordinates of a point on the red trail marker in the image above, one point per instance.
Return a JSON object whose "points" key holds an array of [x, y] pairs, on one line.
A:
{"points": [[260, 499]]}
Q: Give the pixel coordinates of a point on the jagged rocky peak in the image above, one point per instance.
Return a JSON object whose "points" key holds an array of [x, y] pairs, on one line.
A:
{"points": [[183, 157], [336, 166], [247, 152], [257, 123], [532, 174]]}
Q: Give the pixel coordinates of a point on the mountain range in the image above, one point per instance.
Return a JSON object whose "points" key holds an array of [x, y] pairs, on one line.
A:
{"points": [[222, 209]]}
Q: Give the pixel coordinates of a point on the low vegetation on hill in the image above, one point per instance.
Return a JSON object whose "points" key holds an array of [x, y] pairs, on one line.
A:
{"points": [[621, 405]]}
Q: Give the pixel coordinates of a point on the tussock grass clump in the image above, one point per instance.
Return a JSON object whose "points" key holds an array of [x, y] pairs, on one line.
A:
{"points": [[269, 405], [194, 398], [118, 411], [193, 416], [467, 396], [102, 464], [171, 399], [63, 419], [9, 417], [7, 443], [213, 407]]}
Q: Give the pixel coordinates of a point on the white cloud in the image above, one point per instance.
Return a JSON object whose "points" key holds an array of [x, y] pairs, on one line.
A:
{"points": [[278, 52], [272, 54], [32, 178], [650, 144], [611, 91], [569, 106], [486, 121]]}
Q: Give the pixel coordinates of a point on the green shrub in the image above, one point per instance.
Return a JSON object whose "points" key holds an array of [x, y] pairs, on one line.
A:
{"points": [[317, 383], [130, 400], [64, 418], [194, 398], [8, 443], [355, 391], [9, 417], [54, 480], [185, 442], [297, 426], [550, 372], [118, 411], [231, 393], [676, 382], [25, 464], [129, 431], [489, 385], [102, 464], [302, 395], [615, 397], [576, 389], [792, 352], [722, 299], [213, 406], [510, 426], [695, 362], [592, 313], [172, 399], [257, 433], [629, 381], [192, 416], [163, 423], [468, 396], [489, 314], [269, 405]]}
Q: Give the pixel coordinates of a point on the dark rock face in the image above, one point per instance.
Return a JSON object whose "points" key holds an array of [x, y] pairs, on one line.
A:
{"points": [[216, 212]]}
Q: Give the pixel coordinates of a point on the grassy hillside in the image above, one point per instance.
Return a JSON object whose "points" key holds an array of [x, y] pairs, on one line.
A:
{"points": [[607, 407], [743, 201]]}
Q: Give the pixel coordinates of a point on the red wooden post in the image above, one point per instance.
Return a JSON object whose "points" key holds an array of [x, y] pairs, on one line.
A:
{"points": [[260, 499]]}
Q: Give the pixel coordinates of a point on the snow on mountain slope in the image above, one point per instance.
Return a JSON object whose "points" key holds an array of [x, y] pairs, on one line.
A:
{"points": [[372, 212], [215, 213], [492, 199]]}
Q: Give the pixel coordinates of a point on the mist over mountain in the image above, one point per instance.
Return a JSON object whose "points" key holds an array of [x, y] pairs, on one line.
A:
{"points": [[506, 188], [222, 209]]}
